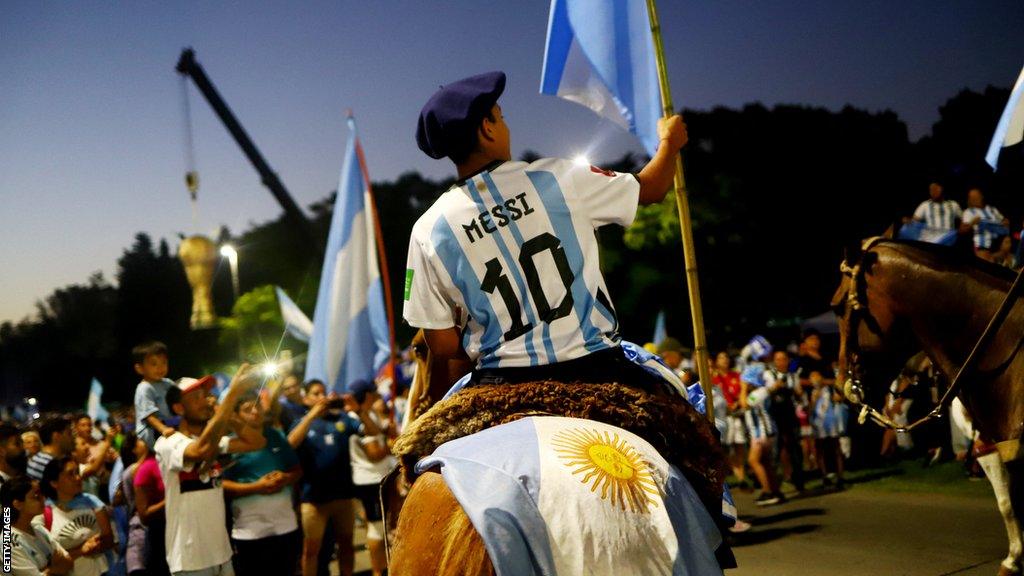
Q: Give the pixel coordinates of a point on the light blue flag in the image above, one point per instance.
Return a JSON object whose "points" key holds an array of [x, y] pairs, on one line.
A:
{"points": [[919, 231], [350, 330], [93, 406], [601, 55], [660, 333], [1010, 129], [295, 320]]}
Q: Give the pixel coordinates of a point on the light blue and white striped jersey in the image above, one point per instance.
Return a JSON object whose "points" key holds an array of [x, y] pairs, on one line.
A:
{"points": [[759, 423], [514, 249], [938, 215], [989, 226]]}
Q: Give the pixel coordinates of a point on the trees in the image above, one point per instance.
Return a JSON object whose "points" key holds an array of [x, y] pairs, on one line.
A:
{"points": [[776, 193]]}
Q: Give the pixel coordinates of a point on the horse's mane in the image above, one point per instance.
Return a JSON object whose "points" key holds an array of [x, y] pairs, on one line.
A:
{"points": [[945, 257]]}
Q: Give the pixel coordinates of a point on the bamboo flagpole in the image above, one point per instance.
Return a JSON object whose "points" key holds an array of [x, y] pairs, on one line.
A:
{"points": [[685, 225]]}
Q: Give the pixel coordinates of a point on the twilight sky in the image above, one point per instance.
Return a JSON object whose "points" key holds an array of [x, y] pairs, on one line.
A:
{"points": [[91, 123]]}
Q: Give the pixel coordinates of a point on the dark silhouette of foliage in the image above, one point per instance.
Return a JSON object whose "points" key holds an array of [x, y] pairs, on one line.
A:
{"points": [[775, 193]]}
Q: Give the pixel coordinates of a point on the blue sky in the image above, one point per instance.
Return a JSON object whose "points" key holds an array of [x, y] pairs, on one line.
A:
{"points": [[91, 147]]}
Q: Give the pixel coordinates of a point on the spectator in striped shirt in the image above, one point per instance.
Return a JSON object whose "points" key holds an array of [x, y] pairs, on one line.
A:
{"points": [[937, 213], [761, 430], [58, 442], [987, 221]]}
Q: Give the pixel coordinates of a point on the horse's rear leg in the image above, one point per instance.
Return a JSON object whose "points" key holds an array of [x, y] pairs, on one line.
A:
{"points": [[435, 536], [1009, 489]]}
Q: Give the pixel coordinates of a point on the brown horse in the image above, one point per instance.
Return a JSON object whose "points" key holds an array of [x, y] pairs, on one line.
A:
{"points": [[899, 297], [433, 535]]}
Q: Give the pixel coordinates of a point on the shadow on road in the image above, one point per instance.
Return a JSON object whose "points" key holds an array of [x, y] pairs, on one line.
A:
{"points": [[760, 536]]}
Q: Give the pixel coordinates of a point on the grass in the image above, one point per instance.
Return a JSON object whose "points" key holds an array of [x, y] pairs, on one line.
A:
{"points": [[946, 478]]}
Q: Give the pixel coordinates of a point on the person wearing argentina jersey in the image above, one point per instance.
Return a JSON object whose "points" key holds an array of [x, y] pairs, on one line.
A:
{"points": [[987, 222], [938, 213], [503, 270]]}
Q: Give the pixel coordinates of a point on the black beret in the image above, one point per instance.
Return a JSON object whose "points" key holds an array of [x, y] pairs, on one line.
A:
{"points": [[454, 112]]}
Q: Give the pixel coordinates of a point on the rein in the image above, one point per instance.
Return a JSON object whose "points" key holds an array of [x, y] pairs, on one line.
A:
{"points": [[857, 308]]}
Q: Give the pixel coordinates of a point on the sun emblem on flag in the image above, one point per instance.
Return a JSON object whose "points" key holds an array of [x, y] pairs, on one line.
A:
{"points": [[609, 463]]}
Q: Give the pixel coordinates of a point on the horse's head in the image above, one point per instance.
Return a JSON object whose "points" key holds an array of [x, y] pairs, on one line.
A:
{"points": [[868, 326]]}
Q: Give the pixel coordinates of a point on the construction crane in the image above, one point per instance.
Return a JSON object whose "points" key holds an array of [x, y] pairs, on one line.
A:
{"points": [[188, 67]]}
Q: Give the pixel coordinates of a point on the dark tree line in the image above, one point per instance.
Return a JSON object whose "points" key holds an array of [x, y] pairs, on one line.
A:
{"points": [[776, 194]]}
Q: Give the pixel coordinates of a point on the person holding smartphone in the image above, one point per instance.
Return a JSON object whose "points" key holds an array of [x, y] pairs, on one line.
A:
{"points": [[321, 439]]}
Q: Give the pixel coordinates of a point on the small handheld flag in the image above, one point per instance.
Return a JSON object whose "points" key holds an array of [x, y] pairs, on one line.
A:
{"points": [[93, 407], [295, 320], [350, 327], [601, 55], [1010, 129], [660, 333]]}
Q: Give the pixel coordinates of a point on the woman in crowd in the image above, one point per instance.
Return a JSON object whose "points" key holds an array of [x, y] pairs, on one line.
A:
{"points": [[148, 493], [33, 551], [78, 521]]}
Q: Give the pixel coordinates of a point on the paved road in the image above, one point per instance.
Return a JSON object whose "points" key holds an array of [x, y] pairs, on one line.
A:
{"points": [[862, 531]]}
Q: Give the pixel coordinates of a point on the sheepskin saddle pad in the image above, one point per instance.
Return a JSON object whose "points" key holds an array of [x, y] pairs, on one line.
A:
{"points": [[670, 424]]}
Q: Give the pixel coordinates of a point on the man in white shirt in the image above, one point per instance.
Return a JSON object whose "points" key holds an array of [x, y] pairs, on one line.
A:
{"points": [[503, 270], [987, 222], [940, 219], [196, 538]]}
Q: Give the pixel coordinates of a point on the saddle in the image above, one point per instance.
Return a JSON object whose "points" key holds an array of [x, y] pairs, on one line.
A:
{"points": [[677, 431]]}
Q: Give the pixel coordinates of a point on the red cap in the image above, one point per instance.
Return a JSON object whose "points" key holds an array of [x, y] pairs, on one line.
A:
{"points": [[187, 385]]}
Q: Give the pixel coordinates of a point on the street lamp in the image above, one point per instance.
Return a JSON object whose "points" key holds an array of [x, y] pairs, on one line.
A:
{"points": [[228, 251]]}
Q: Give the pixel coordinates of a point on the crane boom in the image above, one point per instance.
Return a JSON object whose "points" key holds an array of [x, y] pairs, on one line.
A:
{"points": [[187, 66]]}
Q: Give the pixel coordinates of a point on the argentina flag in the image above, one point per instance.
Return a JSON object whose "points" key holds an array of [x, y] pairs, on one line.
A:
{"points": [[1010, 129], [350, 330], [920, 231], [295, 321], [565, 496], [94, 404], [601, 55]]}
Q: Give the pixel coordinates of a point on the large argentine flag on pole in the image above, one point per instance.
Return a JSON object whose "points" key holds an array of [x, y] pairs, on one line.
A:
{"points": [[1010, 129], [601, 55], [350, 328]]}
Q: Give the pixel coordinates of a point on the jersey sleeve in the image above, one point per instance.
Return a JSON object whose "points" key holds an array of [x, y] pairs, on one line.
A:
{"points": [[609, 197], [955, 208], [426, 305], [921, 212]]}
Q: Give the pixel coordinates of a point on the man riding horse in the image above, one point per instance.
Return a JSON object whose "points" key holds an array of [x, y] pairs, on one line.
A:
{"points": [[503, 277], [503, 270]]}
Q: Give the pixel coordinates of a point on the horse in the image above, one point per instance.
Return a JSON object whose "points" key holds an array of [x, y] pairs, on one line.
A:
{"points": [[434, 535], [897, 297]]}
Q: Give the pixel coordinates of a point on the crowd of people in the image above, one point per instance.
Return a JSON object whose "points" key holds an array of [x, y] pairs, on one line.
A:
{"points": [[981, 226], [269, 476], [776, 412]]}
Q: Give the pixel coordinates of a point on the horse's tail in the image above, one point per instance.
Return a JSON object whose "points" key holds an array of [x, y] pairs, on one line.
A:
{"points": [[435, 536], [463, 550]]}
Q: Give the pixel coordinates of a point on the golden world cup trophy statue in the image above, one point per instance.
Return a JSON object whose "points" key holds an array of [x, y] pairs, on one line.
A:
{"points": [[199, 256]]}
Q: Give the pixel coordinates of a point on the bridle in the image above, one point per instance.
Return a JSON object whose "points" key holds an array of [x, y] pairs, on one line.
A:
{"points": [[855, 310]]}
